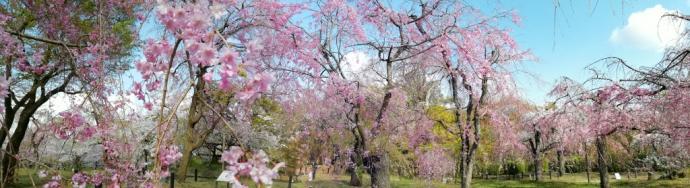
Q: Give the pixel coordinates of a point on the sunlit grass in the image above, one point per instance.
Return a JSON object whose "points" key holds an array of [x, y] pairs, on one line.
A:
{"points": [[340, 181]]}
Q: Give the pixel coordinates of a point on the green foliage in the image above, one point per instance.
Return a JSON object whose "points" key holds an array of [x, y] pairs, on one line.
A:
{"points": [[492, 168], [264, 110], [289, 155], [444, 138], [124, 31], [402, 161], [204, 167], [515, 167]]}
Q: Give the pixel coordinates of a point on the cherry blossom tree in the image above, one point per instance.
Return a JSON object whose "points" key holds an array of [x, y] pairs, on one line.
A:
{"points": [[402, 37], [471, 59], [61, 47], [228, 44]]}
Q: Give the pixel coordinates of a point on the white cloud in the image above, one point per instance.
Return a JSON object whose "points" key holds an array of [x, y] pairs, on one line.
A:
{"points": [[355, 62], [360, 66], [646, 30]]}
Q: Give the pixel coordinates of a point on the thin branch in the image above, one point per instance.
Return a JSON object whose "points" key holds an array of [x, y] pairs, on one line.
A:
{"points": [[45, 40]]}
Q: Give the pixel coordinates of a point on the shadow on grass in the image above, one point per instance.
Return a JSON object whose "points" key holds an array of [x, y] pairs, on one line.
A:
{"points": [[529, 183]]}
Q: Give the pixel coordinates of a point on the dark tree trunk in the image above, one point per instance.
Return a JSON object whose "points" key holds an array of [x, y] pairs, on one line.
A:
{"points": [[587, 162], [290, 181], [561, 162], [194, 138], [535, 147], [537, 164], [9, 162], [379, 163], [467, 172], [601, 160], [458, 171], [184, 163], [379, 170], [356, 157], [314, 167], [354, 177]]}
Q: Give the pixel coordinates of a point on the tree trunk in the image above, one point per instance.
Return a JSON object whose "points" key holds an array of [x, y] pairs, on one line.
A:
{"points": [[535, 147], [467, 173], [561, 163], [537, 164], [9, 162], [379, 170], [458, 171], [587, 162], [468, 162], [184, 163], [356, 157], [601, 159], [379, 163], [354, 177], [314, 167], [290, 181], [193, 138]]}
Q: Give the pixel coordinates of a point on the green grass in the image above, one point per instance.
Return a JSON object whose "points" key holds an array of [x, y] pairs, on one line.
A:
{"points": [[340, 181], [568, 181], [580, 180]]}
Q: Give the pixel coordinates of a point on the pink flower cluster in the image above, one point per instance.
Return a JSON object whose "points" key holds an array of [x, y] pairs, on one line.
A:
{"points": [[73, 125], [54, 182], [257, 85], [167, 156], [79, 180], [97, 179], [256, 167], [435, 164], [613, 92]]}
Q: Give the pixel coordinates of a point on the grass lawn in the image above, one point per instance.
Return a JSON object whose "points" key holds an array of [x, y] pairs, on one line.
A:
{"points": [[340, 181], [567, 181]]}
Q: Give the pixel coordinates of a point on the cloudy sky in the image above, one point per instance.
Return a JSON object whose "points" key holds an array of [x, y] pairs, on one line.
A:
{"points": [[583, 31]]}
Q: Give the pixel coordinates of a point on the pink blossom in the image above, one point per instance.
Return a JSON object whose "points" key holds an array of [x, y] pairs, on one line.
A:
{"points": [[148, 106], [232, 156], [228, 57], [137, 90], [435, 164], [145, 69], [169, 155], [97, 178], [205, 56], [54, 182], [515, 17], [208, 77], [256, 168], [86, 133], [640, 92], [258, 84], [263, 174], [73, 123], [79, 180], [192, 46]]}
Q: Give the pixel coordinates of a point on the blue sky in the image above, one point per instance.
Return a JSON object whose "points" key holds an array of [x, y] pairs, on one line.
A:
{"points": [[584, 34], [580, 34]]}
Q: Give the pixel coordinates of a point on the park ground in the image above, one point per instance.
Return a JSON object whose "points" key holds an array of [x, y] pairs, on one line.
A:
{"points": [[323, 180]]}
